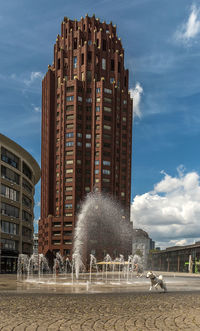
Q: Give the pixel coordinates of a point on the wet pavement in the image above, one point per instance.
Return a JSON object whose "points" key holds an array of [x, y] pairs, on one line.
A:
{"points": [[129, 307]]}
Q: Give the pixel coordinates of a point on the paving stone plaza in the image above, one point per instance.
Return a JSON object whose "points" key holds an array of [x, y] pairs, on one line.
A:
{"points": [[134, 310]]}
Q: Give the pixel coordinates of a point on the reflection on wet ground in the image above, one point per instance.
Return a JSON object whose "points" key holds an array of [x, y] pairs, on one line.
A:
{"points": [[64, 284]]}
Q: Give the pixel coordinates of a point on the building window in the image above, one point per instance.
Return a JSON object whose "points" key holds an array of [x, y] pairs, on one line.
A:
{"points": [[88, 136], [112, 65], [69, 153], [89, 76], [98, 90], [69, 171], [68, 197], [68, 206], [109, 100], [88, 145], [69, 162], [70, 126], [87, 189], [125, 102], [68, 188], [9, 158], [89, 100], [68, 180], [80, 98], [79, 135], [107, 90], [112, 80], [79, 143], [106, 172], [89, 42], [97, 108], [70, 88], [70, 108], [70, 98], [27, 186], [9, 193], [98, 99], [96, 171], [69, 143], [97, 162], [10, 228], [75, 62], [69, 117], [107, 127], [106, 163], [69, 135], [106, 180], [78, 162], [104, 64], [9, 210], [26, 201], [104, 45]]}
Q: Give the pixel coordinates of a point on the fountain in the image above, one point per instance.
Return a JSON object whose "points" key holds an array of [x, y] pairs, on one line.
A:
{"points": [[101, 227]]}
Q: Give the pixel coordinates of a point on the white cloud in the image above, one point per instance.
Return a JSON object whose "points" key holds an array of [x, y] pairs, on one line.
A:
{"points": [[190, 29], [171, 212], [35, 75], [36, 109], [136, 96]]}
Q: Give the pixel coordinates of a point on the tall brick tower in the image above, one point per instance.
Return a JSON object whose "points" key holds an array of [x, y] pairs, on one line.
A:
{"points": [[86, 128]]}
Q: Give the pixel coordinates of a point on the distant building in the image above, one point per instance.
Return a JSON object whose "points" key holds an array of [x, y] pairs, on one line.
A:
{"points": [[142, 244], [86, 129], [177, 258], [35, 243], [19, 175]]}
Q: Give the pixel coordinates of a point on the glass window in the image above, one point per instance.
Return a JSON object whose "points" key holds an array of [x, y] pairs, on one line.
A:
{"points": [[96, 171], [107, 90], [26, 201], [69, 117], [79, 143], [70, 108], [88, 145], [9, 158], [106, 172], [97, 108], [69, 135], [107, 163], [112, 80], [98, 99], [109, 100], [89, 100], [98, 90], [68, 206], [69, 143], [104, 64], [107, 127], [69, 162], [79, 135], [70, 98], [10, 175], [69, 171], [88, 136], [9, 210], [27, 171], [75, 61]]}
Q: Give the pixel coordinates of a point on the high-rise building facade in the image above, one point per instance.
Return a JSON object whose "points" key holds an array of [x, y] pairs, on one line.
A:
{"points": [[86, 128]]}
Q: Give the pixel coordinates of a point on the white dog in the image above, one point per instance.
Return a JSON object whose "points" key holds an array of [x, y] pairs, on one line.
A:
{"points": [[156, 281]]}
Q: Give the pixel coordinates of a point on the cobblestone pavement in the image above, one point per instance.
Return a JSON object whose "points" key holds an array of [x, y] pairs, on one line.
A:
{"points": [[111, 311]]}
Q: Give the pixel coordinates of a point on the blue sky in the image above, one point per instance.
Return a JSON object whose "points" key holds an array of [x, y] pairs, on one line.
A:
{"points": [[162, 48]]}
